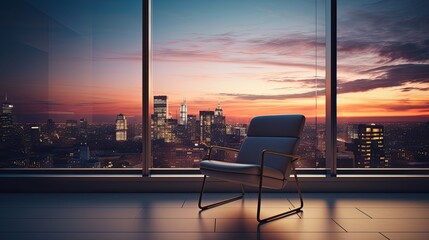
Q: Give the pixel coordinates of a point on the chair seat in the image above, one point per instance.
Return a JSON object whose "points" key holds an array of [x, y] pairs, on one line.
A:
{"points": [[240, 168]]}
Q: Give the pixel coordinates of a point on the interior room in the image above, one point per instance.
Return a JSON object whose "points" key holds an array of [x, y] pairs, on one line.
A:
{"points": [[198, 119]]}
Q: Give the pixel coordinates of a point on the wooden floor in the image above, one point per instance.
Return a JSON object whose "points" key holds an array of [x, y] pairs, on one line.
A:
{"points": [[176, 216]]}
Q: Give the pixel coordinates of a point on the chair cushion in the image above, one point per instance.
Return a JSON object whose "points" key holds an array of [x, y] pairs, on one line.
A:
{"points": [[277, 126], [252, 147], [246, 179], [239, 168]]}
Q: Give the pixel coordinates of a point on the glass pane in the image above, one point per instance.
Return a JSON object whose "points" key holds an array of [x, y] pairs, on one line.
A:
{"points": [[383, 72], [217, 64], [71, 83]]}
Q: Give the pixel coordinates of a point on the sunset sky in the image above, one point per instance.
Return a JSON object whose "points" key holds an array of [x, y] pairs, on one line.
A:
{"points": [[254, 57], [259, 57]]}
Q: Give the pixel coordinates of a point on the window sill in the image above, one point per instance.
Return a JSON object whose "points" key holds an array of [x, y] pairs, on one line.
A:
{"points": [[191, 183]]}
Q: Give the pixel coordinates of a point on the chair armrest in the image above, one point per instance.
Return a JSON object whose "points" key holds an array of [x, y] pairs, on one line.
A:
{"points": [[226, 149], [266, 151]]}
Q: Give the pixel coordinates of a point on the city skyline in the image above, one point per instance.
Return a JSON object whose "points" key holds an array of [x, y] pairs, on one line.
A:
{"points": [[77, 143]]}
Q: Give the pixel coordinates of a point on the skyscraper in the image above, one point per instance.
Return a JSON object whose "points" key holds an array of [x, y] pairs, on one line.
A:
{"points": [[369, 151], [219, 127], [83, 131], [50, 128], [170, 131], [183, 113], [121, 127], [192, 128], [6, 121], [72, 130], [160, 116], [206, 122], [218, 111]]}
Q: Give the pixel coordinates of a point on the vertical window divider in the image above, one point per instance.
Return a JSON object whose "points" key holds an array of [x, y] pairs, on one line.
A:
{"points": [[331, 88], [146, 150]]}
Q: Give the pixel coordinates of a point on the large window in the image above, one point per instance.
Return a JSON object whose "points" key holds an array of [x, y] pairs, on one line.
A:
{"points": [[383, 83], [70, 83], [217, 64]]}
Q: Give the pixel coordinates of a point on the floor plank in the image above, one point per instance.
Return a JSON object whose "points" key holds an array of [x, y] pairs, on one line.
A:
{"points": [[282, 225], [106, 225], [407, 236], [397, 212], [384, 225]]}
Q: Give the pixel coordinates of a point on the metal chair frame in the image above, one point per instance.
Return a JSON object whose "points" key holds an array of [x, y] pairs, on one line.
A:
{"points": [[258, 216]]}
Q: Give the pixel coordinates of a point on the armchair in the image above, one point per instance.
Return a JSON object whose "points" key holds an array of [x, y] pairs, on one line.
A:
{"points": [[266, 159]]}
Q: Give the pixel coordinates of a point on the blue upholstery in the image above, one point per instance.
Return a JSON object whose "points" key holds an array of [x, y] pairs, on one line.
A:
{"points": [[251, 169], [280, 133], [276, 126]]}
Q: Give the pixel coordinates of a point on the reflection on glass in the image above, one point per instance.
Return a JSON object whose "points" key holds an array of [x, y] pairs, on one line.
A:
{"points": [[217, 64], [383, 70], [71, 83]]}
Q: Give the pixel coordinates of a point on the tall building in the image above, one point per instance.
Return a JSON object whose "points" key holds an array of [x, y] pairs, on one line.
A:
{"points": [[192, 128], [206, 122], [170, 131], [72, 131], [84, 155], [352, 132], [50, 128], [218, 111], [219, 127], [369, 150], [183, 113], [121, 127], [6, 121], [34, 133], [83, 131], [159, 117], [49, 132]]}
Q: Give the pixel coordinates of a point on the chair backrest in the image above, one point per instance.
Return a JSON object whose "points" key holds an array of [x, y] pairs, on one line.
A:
{"points": [[279, 133]]}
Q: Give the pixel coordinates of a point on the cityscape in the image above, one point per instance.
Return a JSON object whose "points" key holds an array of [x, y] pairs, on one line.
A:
{"points": [[182, 142], [75, 83]]}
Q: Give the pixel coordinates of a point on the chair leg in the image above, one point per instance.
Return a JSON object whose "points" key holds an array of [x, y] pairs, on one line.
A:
{"points": [[281, 215], [217, 203]]}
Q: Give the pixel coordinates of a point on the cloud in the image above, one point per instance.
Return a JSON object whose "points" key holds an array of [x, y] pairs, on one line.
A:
{"points": [[387, 76], [414, 73], [391, 51], [291, 44], [303, 82], [392, 29], [349, 46], [271, 97], [405, 105], [241, 48], [408, 89], [418, 52], [171, 54], [292, 83], [388, 19]]}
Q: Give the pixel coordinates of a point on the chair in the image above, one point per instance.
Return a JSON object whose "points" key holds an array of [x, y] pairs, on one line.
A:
{"points": [[265, 160]]}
